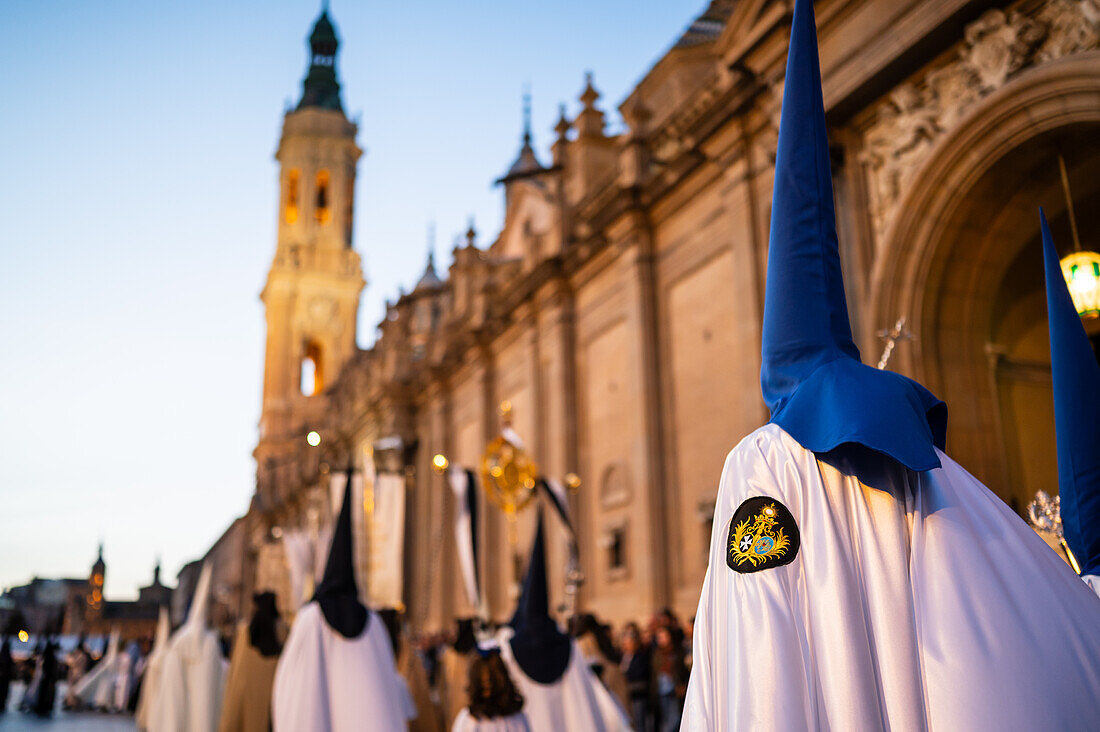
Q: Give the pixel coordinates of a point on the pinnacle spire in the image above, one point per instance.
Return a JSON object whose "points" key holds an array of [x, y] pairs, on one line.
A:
{"points": [[321, 87], [471, 233], [526, 162], [527, 116]]}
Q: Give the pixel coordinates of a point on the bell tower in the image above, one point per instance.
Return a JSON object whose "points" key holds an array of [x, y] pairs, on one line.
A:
{"points": [[311, 297]]}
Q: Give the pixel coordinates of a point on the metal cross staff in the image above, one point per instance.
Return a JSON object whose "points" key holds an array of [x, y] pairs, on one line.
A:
{"points": [[899, 333]]}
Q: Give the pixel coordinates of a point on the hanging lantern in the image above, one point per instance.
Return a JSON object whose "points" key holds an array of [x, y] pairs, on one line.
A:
{"points": [[1081, 269], [1082, 273]]}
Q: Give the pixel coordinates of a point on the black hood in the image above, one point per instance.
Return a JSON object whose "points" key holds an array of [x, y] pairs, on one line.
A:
{"points": [[540, 647], [338, 594], [262, 628]]}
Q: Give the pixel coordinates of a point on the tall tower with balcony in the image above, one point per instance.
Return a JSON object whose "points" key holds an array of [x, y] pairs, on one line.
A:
{"points": [[311, 297]]}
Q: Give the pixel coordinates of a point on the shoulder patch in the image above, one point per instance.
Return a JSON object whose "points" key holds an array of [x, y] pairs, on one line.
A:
{"points": [[763, 535]]}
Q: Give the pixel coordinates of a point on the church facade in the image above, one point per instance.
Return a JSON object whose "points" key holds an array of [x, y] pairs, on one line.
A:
{"points": [[618, 310]]}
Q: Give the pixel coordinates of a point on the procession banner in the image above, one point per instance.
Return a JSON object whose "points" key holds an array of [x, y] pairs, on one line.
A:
{"points": [[386, 540]]}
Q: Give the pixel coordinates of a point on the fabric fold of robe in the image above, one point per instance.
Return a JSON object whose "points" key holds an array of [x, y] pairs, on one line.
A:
{"points": [[916, 601], [328, 683], [576, 701], [466, 722]]}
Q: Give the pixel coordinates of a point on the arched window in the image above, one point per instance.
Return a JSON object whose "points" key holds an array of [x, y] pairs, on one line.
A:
{"points": [[312, 378], [291, 210], [323, 206]]}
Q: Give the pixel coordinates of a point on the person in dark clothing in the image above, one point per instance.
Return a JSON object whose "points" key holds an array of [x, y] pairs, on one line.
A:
{"points": [[669, 679], [635, 667], [47, 686], [7, 673]]}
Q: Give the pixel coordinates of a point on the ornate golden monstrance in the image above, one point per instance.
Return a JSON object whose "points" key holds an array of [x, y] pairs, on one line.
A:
{"points": [[508, 473]]}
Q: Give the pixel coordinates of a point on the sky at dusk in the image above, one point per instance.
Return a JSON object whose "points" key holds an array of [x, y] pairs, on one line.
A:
{"points": [[138, 204]]}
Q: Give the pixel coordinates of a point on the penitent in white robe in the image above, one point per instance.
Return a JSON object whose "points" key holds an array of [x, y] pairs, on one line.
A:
{"points": [[576, 701], [465, 722], [922, 603], [192, 673], [150, 683], [328, 683], [95, 688], [192, 679]]}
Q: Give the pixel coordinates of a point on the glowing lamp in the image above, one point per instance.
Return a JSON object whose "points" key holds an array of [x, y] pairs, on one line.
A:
{"points": [[1082, 273], [440, 463], [24, 636], [313, 438]]}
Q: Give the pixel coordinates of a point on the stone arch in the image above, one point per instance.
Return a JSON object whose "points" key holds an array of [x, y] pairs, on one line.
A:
{"points": [[961, 261]]}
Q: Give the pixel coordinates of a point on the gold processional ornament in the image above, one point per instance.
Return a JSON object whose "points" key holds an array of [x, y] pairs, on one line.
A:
{"points": [[508, 475]]}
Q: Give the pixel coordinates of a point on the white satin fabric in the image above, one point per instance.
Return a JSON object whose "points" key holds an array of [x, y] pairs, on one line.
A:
{"points": [[150, 683], [94, 689], [328, 683], [922, 603], [576, 701], [1092, 581], [465, 722], [464, 535], [192, 673]]}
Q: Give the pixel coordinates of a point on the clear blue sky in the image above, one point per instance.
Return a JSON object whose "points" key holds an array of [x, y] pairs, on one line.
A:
{"points": [[137, 204]]}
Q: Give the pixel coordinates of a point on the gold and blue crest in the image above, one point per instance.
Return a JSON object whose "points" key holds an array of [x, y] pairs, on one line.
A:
{"points": [[763, 534]]}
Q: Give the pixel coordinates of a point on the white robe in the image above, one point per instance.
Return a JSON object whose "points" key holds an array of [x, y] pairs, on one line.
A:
{"points": [[192, 673], [95, 688], [925, 603], [1092, 581], [192, 679], [576, 701], [465, 722], [328, 683], [150, 683]]}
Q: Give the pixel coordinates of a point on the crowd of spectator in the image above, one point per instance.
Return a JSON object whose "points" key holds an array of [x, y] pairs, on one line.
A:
{"points": [[645, 665]]}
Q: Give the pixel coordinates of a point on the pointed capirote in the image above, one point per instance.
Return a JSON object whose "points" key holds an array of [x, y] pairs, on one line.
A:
{"points": [[1076, 376], [811, 376], [196, 616], [164, 629], [338, 592], [539, 646]]}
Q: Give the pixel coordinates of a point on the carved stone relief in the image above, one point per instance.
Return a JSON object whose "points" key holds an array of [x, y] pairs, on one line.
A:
{"points": [[996, 46]]}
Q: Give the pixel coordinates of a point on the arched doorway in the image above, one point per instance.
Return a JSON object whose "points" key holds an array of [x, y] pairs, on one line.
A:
{"points": [[963, 263]]}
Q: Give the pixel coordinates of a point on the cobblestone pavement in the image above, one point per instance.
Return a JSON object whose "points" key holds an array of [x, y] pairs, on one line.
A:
{"points": [[15, 721]]}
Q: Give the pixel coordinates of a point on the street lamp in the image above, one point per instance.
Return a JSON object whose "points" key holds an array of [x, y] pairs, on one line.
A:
{"points": [[313, 438]]}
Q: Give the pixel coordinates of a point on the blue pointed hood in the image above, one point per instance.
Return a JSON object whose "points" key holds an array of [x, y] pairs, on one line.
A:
{"points": [[1076, 414], [811, 376], [539, 646]]}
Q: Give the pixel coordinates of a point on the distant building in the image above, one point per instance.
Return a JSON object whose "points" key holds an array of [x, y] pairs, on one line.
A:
{"points": [[77, 606], [619, 308]]}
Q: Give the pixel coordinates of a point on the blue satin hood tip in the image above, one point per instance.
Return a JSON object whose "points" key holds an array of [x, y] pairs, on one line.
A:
{"points": [[844, 401]]}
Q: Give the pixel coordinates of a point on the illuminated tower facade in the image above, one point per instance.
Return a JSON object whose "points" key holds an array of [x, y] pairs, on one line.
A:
{"points": [[311, 297]]}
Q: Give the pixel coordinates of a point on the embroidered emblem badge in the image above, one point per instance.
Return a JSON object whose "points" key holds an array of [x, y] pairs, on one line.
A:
{"points": [[762, 535]]}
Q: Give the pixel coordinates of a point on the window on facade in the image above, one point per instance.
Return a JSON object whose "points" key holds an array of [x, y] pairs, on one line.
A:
{"points": [[312, 379], [349, 209], [322, 208], [616, 549], [291, 211]]}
